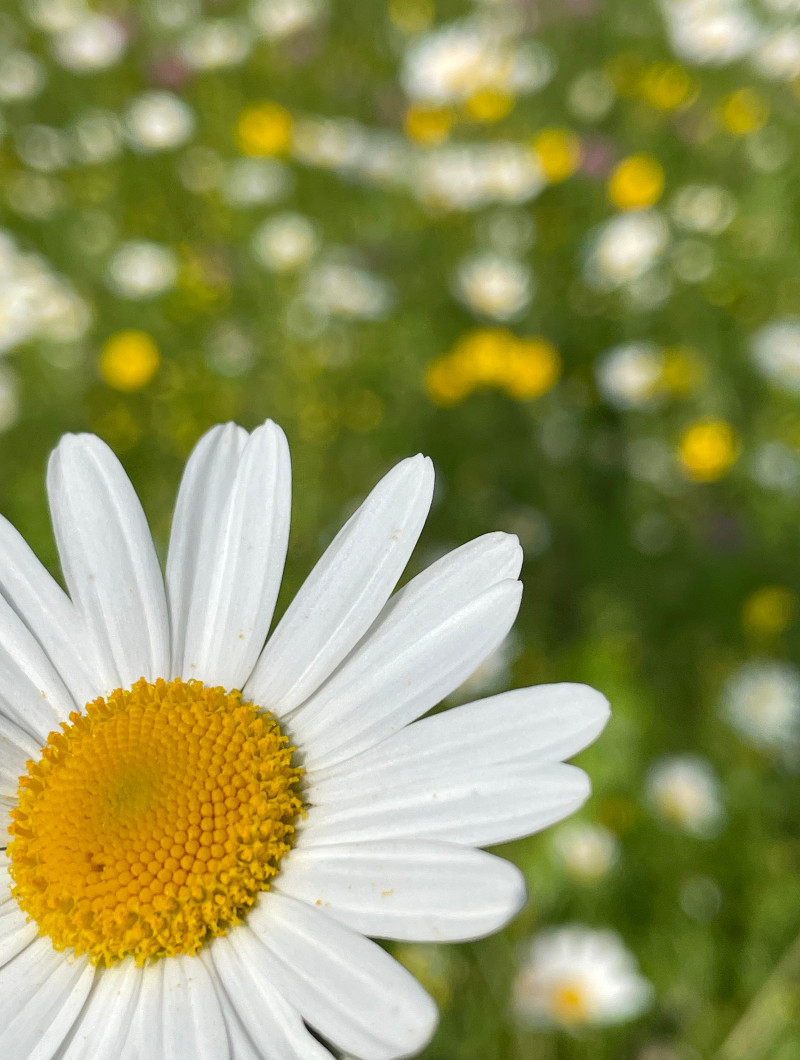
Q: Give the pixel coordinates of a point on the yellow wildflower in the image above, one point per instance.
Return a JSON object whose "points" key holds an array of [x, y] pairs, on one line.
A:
{"points": [[743, 112], [427, 125], [769, 610], [489, 105], [708, 449], [129, 360], [264, 129], [559, 152], [636, 183]]}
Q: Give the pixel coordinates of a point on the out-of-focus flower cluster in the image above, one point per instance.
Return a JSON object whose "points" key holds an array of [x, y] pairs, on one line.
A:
{"points": [[555, 245]]}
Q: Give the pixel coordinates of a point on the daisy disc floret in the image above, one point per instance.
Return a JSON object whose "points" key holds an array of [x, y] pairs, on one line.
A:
{"points": [[208, 819], [152, 821]]}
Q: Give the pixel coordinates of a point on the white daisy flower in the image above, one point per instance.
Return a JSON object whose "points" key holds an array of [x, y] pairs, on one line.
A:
{"points": [[173, 886], [577, 976], [683, 790]]}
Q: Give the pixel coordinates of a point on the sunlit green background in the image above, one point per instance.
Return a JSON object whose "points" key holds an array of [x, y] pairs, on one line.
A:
{"points": [[442, 278]]}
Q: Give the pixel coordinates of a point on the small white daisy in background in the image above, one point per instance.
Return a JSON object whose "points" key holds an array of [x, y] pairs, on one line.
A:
{"points": [[203, 827], [577, 976], [623, 249], [279, 19], [629, 376], [96, 136], [706, 208], [285, 242], [22, 76], [215, 44], [158, 121], [139, 269], [761, 700], [346, 290], [776, 353], [96, 42], [587, 851], [710, 32], [255, 182], [683, 791], [494, 285]]}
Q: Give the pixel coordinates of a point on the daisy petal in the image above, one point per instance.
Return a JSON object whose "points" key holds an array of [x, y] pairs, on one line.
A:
{"points": [[346, 589], [109, 562], [16, 931], [103, 1027], [41, 996], [457, 802], [177, 1014], [32, 695], [544, 723], [430, 637], [346, 987], [236, 550], [202, 495], [406, 889], [47, 612], [263, 1012]]}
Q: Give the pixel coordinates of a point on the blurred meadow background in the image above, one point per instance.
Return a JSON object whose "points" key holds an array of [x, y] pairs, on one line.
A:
{"points": [[555, 244]]}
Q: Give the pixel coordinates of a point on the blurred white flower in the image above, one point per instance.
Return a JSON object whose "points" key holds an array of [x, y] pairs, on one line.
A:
{"points": [[215, 44], [706, 208], [43, 148], [591, 95], [173, 14], [683, 791], [587, 851], [346, 290], [576, 976], [776, 466], [330, 143], [476, 54], [494, 285], [54, 16], [139, 270], [710, 32], [34, 301], [158, 121], [96, 42], [469, 176], [776, 353], [761, 700], [22, 76], [628, 376], [285, 242], [624, 248], [278, 19], [778, 55], [255, 182], [96, 136]]}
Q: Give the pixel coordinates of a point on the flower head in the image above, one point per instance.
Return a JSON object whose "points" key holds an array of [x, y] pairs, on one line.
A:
{"points": [[203, 828], [576, 976]]}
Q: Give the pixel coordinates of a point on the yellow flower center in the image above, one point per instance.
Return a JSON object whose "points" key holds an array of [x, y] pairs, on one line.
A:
{"points": [[570, 1003], [152, 821]]}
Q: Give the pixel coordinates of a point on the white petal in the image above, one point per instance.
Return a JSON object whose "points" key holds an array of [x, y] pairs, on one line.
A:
{"points": [[430, 637], [473, 803], [346, 590], [343, 985], [16, 747], [16, 931], [226, 560], [103, 1027], [48, 613], [267, 1017], [199, 508], [406, 889], [109, 562], [543, 723], [177, 1014], [41, 995], [32, 695]]}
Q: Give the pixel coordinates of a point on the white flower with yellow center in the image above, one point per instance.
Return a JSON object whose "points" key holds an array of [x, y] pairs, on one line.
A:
{"points": [[204, 828], [576, 977]]}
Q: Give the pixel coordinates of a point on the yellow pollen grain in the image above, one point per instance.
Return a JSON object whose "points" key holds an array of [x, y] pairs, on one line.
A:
{"points": [[152, 821]]}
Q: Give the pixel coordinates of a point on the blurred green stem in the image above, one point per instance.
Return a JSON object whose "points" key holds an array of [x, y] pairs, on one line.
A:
{"points": [[773, 1009]]}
